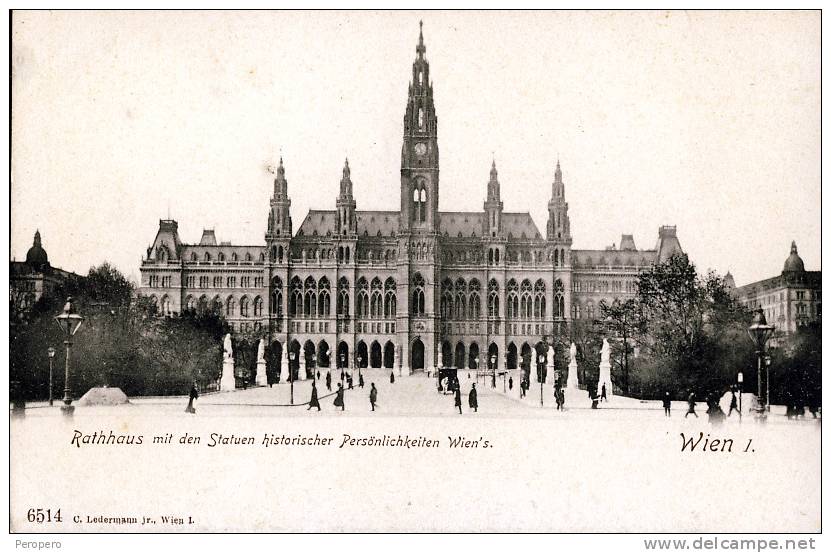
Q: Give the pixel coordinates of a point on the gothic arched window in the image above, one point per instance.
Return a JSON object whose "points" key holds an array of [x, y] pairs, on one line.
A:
{"points": [[323, 299], [296, 301], [376, 308], [343, 297], [418, 295], [389, 299], [559, 300], [539, 299], [526, 302], [493, 299], [513, 299], [362, 307], [446, 303]]}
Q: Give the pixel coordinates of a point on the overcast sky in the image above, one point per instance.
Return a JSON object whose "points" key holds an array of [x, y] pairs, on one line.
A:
{"points": [[708, 121]]}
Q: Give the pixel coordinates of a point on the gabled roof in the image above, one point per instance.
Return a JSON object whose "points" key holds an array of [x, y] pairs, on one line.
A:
{"points": [[456, 224], [520, 226], [377, 223], [319, 222]]}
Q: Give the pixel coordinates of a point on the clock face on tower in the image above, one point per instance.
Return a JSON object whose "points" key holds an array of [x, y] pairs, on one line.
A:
{"points": [[421, 148]]}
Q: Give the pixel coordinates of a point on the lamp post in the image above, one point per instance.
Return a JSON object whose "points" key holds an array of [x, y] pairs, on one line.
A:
{"points": [[314, 368], [760, 332], [292, 357], [741, 386], [51, 353], [541, 377], [70, 322], [342, 363]]}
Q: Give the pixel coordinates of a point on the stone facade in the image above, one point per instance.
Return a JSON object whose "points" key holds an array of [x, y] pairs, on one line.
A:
{"points": [[412, 288], [35, 278], [790, 299]]}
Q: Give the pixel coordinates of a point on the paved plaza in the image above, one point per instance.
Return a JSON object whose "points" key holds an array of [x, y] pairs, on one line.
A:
{"points": [[411, 396]]}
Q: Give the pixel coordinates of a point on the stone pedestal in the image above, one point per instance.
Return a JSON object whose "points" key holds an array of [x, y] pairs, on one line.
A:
{"points": [[605, 378], [262, 377], [284, 370], [228, 383], [572, 384], [301, 372]]}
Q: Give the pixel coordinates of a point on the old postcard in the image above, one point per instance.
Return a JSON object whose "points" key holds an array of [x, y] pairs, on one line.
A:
{"points": [[256, 286]]}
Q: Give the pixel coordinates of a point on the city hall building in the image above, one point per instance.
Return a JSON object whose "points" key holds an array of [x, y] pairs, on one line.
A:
{"points": [[411, 288]]}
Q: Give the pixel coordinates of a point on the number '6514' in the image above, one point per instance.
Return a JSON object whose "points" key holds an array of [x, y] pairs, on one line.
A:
{"points": [[39, 516]]}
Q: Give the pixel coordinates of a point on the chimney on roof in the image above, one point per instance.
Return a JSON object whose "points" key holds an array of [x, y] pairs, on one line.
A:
{"points": [[208, 238]]}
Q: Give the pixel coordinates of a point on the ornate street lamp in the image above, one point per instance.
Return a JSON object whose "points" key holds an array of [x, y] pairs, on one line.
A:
{"points": [[292, 357], [540, 362], [342, 363], [51, 352], [314, 368], [760, 332], [741, 387], [70, 322]]}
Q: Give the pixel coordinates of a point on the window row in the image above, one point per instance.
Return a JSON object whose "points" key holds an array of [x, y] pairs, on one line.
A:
{"points": [[206, 281]]}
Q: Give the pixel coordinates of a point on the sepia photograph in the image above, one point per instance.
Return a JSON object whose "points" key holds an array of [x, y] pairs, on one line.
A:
{"points": [[255, 287]]}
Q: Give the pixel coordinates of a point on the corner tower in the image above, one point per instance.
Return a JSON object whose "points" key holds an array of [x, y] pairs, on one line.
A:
{"points": [[420, 150], [278, 234]]}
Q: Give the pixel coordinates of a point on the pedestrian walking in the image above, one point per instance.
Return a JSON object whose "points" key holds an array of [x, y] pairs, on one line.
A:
{"points": [[373, 395], [510, 383], [458, 400], [472, 399], [328, 381], [339, 398], [361, 380], [593, 397], [318, 375], [392, 377], [191, 398], [734, 405], [603, 392], [691, 406], [667, 401], [349, 380], [561, 397], [313, 402]]}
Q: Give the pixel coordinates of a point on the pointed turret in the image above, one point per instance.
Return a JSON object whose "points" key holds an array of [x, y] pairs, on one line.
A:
{"points": [[493, 184], [347, 222], [280, 183], [493, 206], [559, 225], [279, 216]]}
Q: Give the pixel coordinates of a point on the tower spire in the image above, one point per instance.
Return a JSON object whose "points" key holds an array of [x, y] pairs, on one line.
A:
{"points": [[421, 49]]}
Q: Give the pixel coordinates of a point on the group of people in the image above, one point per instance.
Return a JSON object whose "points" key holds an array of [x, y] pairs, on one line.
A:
{"points": [[715, 414], [472, 397], [339, 395]]}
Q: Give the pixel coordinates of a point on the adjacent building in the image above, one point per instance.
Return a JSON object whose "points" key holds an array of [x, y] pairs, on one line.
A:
{"points": [[412, 287], [35, 278], [790, 299]]}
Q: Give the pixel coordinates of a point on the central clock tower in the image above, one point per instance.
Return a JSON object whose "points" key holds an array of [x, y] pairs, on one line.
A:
{"points": [[420, 151]]}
